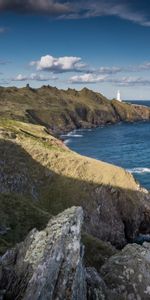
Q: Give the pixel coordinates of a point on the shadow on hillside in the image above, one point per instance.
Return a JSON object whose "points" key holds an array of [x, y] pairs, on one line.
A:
{"points": [[111, 213]]}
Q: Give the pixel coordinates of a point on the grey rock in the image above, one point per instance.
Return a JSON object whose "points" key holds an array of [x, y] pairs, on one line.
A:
{"points": [[127, 274], [96, 287], [48, 264]]}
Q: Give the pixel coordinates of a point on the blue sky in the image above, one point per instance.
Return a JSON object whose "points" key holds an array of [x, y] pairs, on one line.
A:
{"points": [[103, 46]]}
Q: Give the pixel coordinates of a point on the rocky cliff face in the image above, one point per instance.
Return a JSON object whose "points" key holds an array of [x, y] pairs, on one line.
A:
{"points": [[45, 177], [62, 111], [48, 265]]}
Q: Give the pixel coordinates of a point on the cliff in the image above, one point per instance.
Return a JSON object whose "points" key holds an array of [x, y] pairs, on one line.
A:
{"points": [[61, 111], [41, 177], [48, 264]]}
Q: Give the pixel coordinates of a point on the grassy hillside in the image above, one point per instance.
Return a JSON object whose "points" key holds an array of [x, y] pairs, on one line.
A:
{"points": [[18, 215], [61, 110], [40, 176]]}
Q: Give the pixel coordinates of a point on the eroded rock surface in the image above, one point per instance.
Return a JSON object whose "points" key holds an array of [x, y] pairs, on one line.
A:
{"points": [[127, 274], [48, 264]]}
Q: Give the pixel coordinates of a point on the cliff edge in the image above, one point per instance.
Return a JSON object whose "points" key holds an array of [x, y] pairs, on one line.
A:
{"points": [[64, 110], [41, 177]]}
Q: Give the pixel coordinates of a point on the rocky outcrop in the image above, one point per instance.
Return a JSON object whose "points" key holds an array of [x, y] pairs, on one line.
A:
{"points": [[127, 274], [48, 264], [130, 112]]}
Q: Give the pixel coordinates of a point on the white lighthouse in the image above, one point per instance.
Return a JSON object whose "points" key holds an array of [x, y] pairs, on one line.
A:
{"points": [[118, 96]]}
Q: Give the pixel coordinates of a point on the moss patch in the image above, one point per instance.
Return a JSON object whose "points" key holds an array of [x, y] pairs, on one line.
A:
{"points": [[96, 251], [17, 217]]}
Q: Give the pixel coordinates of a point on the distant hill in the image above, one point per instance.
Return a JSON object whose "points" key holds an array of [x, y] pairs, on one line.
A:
{"points": [[63, 110]]}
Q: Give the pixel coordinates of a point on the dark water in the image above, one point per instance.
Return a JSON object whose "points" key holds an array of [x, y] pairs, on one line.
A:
{"points": [[124, 144]]}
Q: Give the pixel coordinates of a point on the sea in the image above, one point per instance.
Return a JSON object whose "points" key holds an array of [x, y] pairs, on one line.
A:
{"points": [[124, 144]]}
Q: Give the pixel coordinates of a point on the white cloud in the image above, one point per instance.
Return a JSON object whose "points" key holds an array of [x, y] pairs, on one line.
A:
{"points": [[145, 66], [58, 65], [33, 76], [124, 81], [20, 77], [38, 77], [131, 81], [109, 70], [87, 78]]}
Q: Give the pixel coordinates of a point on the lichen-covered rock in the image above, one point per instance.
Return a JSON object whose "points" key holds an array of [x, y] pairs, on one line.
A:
{"points": [[48, 264], [127, 274]]}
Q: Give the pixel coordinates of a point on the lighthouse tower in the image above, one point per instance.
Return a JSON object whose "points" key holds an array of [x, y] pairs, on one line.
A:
{"points": [[118, 96]]}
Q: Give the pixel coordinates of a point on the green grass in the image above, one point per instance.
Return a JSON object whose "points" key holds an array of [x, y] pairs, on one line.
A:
{"points": [[62, 110], [96, 251], [19, 215]]}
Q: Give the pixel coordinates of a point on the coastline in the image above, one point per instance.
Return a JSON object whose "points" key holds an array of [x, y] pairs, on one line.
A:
{"points": [[81, 141]]}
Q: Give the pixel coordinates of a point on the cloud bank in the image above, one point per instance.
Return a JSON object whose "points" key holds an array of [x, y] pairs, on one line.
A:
{"points": [[53, 8], [87, 78], [131, 81], [133, 10], [33, 76], [83, 74], [127, 81]]}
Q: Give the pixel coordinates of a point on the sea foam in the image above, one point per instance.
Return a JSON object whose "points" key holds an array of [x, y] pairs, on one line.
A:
{"points": [[71, 134], [66, 142], [139, 170]]}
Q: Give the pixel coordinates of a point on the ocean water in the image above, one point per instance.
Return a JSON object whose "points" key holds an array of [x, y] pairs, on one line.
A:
{"points": [[124, 144]]}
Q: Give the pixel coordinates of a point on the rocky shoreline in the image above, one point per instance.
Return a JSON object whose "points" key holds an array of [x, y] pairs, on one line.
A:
{"points": [[45, 178]]}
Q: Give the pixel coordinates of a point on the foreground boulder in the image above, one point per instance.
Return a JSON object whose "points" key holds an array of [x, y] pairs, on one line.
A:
{"points": [[48, 264], [127, 274]]}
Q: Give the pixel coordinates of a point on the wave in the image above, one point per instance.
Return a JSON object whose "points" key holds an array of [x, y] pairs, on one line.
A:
{"points": [[139, 170], [71, 134], [76, 135], [66, 142]]}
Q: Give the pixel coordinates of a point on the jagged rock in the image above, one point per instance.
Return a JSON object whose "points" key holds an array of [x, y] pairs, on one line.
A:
{"points": [[48, 264], [127, 274], [96, 287]]}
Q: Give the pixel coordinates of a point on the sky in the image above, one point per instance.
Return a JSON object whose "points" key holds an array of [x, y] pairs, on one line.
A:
{"points": [[102, 45]]}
